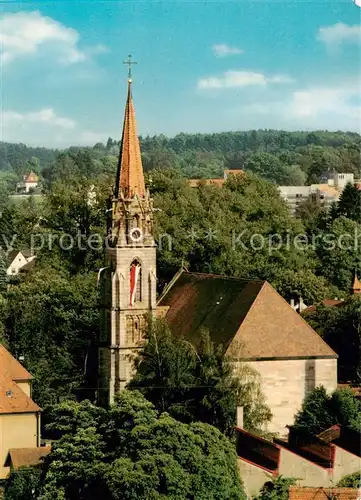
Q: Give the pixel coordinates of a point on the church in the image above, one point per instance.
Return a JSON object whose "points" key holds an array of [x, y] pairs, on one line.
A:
{"points": [[248, 317]]}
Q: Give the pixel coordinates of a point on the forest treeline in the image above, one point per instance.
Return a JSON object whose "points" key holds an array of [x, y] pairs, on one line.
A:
{"points": [[285, 158]]}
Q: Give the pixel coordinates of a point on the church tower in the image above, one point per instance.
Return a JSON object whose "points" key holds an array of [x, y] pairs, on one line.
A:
{"points": [[129, 280]]}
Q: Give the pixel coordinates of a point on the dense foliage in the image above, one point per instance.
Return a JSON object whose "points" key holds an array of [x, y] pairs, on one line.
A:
{"points": [[282, 157], [351, 481], [277, 489], [320, 411], [132, 452], [50, 316], [340, 327], [197, 384]]}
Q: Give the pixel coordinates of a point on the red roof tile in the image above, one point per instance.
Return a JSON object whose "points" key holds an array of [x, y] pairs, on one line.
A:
{"points": [[24, 457], [12, 398], [10, 367], [297, 493], [248, 317]]}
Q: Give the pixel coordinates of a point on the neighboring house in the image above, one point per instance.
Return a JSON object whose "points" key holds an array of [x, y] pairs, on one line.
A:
{"points": [[256, 326], [321, 461], [20, 261], [29, 182], [326, 194], [193, 183], [19, 414], [24, 457]]}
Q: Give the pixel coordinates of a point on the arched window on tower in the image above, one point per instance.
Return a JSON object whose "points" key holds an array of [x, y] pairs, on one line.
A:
{"points": [[135, 282]]}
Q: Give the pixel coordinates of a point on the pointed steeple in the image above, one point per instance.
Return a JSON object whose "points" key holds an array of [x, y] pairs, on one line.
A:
{"points": [[356, 287], [130, 178]]}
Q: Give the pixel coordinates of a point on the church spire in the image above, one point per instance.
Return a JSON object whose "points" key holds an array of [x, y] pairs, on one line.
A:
{"points": [[130, 178]]}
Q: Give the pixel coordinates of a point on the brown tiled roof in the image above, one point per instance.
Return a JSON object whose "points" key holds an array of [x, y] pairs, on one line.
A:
{"points": [[234, 172], [130, 178], [11, 255], [256, 450], [32, 177], [10, 367], [207, 182], [28, 266], [248, 317], [326, 302], [24, 457], [12, 398], [297, 493], [345, 438]]}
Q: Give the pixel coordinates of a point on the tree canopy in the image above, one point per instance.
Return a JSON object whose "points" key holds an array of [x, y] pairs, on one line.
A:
{"points": [[320, 411], [132, 452], [196, 383]]}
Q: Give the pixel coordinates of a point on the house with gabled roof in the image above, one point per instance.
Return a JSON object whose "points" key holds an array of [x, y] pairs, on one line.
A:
{"points": [[20, 261], [19, 414], [313, 461], [258, 327], [30, 181]]}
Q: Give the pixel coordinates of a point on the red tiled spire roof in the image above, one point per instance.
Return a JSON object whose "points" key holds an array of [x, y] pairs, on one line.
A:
{"points": [[356, 287], [130, 178]]}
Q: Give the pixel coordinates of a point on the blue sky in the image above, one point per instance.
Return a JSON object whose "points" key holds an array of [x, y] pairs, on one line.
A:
{"points": [[202, 67]]}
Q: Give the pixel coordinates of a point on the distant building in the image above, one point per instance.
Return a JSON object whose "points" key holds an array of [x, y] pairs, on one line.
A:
{"points": [[30, 181], [19, 414], [326, 194], [214, 182], [20, 261]]}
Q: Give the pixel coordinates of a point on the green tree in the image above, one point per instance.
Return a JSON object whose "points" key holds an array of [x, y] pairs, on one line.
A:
{"points": [[277, 489], [196, 383], [135, 453], [3, 276], [350, 481], [320, 411], [51, 318], [23, 484], [349, 204], [337, 251], [304, 284], [340, 327]]}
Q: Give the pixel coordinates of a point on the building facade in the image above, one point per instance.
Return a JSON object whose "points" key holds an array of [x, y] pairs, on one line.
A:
{"points": [[129, 279], [324, 194], [19, 414]]}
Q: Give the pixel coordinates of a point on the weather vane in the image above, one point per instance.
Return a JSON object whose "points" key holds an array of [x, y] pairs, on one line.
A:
{"points": [[129, 62]]}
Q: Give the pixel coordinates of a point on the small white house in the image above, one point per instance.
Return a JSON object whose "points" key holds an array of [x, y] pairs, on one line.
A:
{"points": [[30, 181], [20, 261]]}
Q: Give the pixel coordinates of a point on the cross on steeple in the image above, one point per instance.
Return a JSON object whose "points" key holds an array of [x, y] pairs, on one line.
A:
{"points": [[129, 62]]}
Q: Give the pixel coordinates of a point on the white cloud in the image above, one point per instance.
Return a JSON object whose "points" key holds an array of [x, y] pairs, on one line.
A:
{"points": [[45, 128], [224, 50], [26, 33], [91, 138], [321, 101], [236, 79], [332, 108], [338, 33], [280, 79], [46, 115]]}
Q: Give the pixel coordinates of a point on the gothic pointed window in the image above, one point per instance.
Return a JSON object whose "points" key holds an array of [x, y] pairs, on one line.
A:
{"points": [[135, 282]]}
